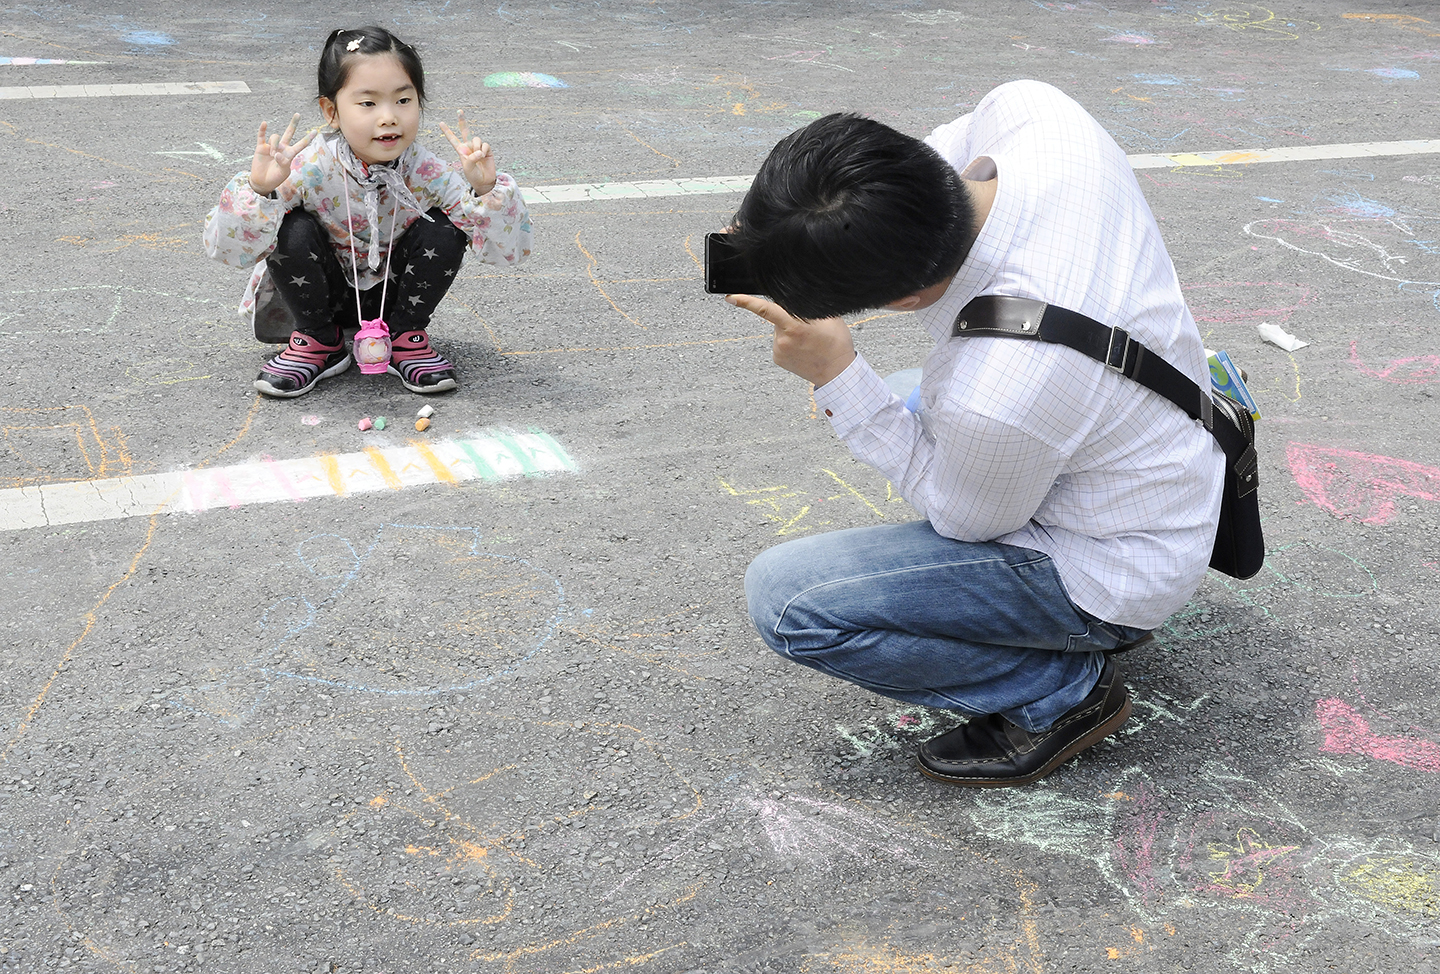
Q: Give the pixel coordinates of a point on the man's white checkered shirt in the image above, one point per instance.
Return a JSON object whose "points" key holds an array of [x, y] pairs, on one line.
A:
{"points": [[1035, 444]]}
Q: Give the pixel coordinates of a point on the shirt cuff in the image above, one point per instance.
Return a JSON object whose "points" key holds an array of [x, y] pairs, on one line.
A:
{"points": [[853, 396]]}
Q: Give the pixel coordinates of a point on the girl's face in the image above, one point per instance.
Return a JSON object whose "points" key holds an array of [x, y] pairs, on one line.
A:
{"points": [[378, 110]]}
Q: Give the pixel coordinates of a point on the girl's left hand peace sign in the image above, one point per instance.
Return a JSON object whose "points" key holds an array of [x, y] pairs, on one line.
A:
{"points": [[476, 155]]}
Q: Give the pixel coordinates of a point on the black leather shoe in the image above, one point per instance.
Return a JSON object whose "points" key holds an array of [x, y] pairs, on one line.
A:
{"points": [[991, 752]]}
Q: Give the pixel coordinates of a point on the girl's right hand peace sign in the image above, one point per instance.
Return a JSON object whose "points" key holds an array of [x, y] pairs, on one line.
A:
{"points": [[271, 165]]}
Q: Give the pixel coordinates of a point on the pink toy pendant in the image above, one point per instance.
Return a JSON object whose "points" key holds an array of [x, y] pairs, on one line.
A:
{"points": [[372, 346]]}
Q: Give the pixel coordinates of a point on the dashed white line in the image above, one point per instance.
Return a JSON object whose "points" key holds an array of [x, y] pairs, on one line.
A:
{"points": [[661, 188], [111, 91]]}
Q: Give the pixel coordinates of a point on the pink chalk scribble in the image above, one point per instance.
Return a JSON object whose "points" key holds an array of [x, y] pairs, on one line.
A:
{"points": [[1359, 485], [1401, 371], [1346, 732], [1237, 301]]}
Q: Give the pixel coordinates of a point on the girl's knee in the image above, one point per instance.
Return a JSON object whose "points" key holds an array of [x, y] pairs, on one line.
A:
{"points": [[440, 234], [300, 232]]}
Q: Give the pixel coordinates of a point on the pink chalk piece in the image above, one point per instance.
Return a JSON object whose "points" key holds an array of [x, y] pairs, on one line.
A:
{"points": [[1346, 732], [1359, 485], [365, 423], [1401, 371], [311, 420]]}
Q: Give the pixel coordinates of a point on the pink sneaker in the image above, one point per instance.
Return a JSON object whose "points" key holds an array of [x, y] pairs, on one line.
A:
{"points": [[300, 365], [420, 368]]}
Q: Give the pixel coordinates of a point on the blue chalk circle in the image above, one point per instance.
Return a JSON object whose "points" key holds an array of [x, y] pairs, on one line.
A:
{"points": [[148, 38], [1394, 74]]}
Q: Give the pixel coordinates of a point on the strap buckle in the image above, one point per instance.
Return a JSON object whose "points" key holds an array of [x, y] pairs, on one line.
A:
{"points": [[1118, 350]]}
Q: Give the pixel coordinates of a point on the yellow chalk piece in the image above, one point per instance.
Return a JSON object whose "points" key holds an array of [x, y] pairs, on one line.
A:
{"points": [[422, 424], [382, 467], [332, 475], [437, 466], [1235, 158]]}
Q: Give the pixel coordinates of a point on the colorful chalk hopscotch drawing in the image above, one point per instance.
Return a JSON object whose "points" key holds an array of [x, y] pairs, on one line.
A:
{"points": [[26, 61], [409, 642], [490, 458], [523, 79], [1237, 851]]}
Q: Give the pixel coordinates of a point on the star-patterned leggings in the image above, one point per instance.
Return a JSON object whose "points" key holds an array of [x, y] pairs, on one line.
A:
{"points": [[306, 272]]}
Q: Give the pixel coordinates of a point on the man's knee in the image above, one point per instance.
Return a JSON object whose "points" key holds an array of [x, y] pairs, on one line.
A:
{"points": [[772, 585]]}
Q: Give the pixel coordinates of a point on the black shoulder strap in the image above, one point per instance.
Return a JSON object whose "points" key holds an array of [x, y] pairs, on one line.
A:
{"points": [[1006, 317], [1002, 316]]}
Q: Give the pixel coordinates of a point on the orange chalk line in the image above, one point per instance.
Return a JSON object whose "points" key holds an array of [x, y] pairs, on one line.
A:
{"points": [[590, 270], [92, 616]]}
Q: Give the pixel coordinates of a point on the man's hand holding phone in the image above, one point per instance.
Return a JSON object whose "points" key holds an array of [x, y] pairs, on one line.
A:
{"points": [[817, 350]]}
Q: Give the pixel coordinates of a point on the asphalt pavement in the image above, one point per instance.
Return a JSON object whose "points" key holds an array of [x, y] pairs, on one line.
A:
{"points": [[280, 694]]}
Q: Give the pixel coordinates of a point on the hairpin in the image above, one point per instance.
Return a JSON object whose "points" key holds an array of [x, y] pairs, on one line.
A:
{"points": [[353, 45]]}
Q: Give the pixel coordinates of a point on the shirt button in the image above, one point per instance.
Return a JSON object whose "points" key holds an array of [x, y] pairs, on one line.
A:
{"points": [[829, 413]]}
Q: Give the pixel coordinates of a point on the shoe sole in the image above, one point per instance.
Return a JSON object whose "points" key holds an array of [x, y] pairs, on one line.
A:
{"points": [[1089, 740], [267, 389], [444, 385]]}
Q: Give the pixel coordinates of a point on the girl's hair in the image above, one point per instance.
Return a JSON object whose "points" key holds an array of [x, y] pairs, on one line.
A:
{"points": [[337, 58]]}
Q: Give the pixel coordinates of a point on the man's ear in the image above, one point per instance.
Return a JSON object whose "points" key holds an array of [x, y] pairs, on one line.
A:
{"points": [[909, 303], [327, 108]]}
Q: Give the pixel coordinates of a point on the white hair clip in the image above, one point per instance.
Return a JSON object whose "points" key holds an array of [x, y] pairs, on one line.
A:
{"points": [[353, 45]]}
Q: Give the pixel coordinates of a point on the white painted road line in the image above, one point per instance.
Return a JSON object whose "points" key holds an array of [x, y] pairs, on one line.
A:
{"points": [[492, 456], [646, 189], [661, 188], [110, 91], [1299, 153]]}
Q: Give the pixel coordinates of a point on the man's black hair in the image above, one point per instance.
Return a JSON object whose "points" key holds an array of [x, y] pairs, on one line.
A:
{"points": [[847, 213], [337, 58]]}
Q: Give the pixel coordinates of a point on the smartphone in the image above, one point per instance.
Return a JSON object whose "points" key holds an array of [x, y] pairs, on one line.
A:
{"points": [[726, 272]]}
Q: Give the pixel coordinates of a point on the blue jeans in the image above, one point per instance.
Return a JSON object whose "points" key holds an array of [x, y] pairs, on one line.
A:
{"points": [[982, 628]]}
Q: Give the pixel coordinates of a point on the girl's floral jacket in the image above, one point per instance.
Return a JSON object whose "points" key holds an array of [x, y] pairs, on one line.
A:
{"points": [[241, 230]]}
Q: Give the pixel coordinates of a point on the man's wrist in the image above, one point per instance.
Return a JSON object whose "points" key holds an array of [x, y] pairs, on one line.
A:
{"points": [[833, 371]]}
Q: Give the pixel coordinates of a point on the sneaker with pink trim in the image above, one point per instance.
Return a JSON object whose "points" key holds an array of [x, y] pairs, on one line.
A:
{"points": [[301, 364], [420, 368]]}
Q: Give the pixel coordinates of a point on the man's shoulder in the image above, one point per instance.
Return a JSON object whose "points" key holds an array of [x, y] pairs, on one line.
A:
{"points": [[1014, 110]]}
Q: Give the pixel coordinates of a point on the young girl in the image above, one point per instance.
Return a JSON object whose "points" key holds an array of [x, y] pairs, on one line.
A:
{"points": [[361, 215]]}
